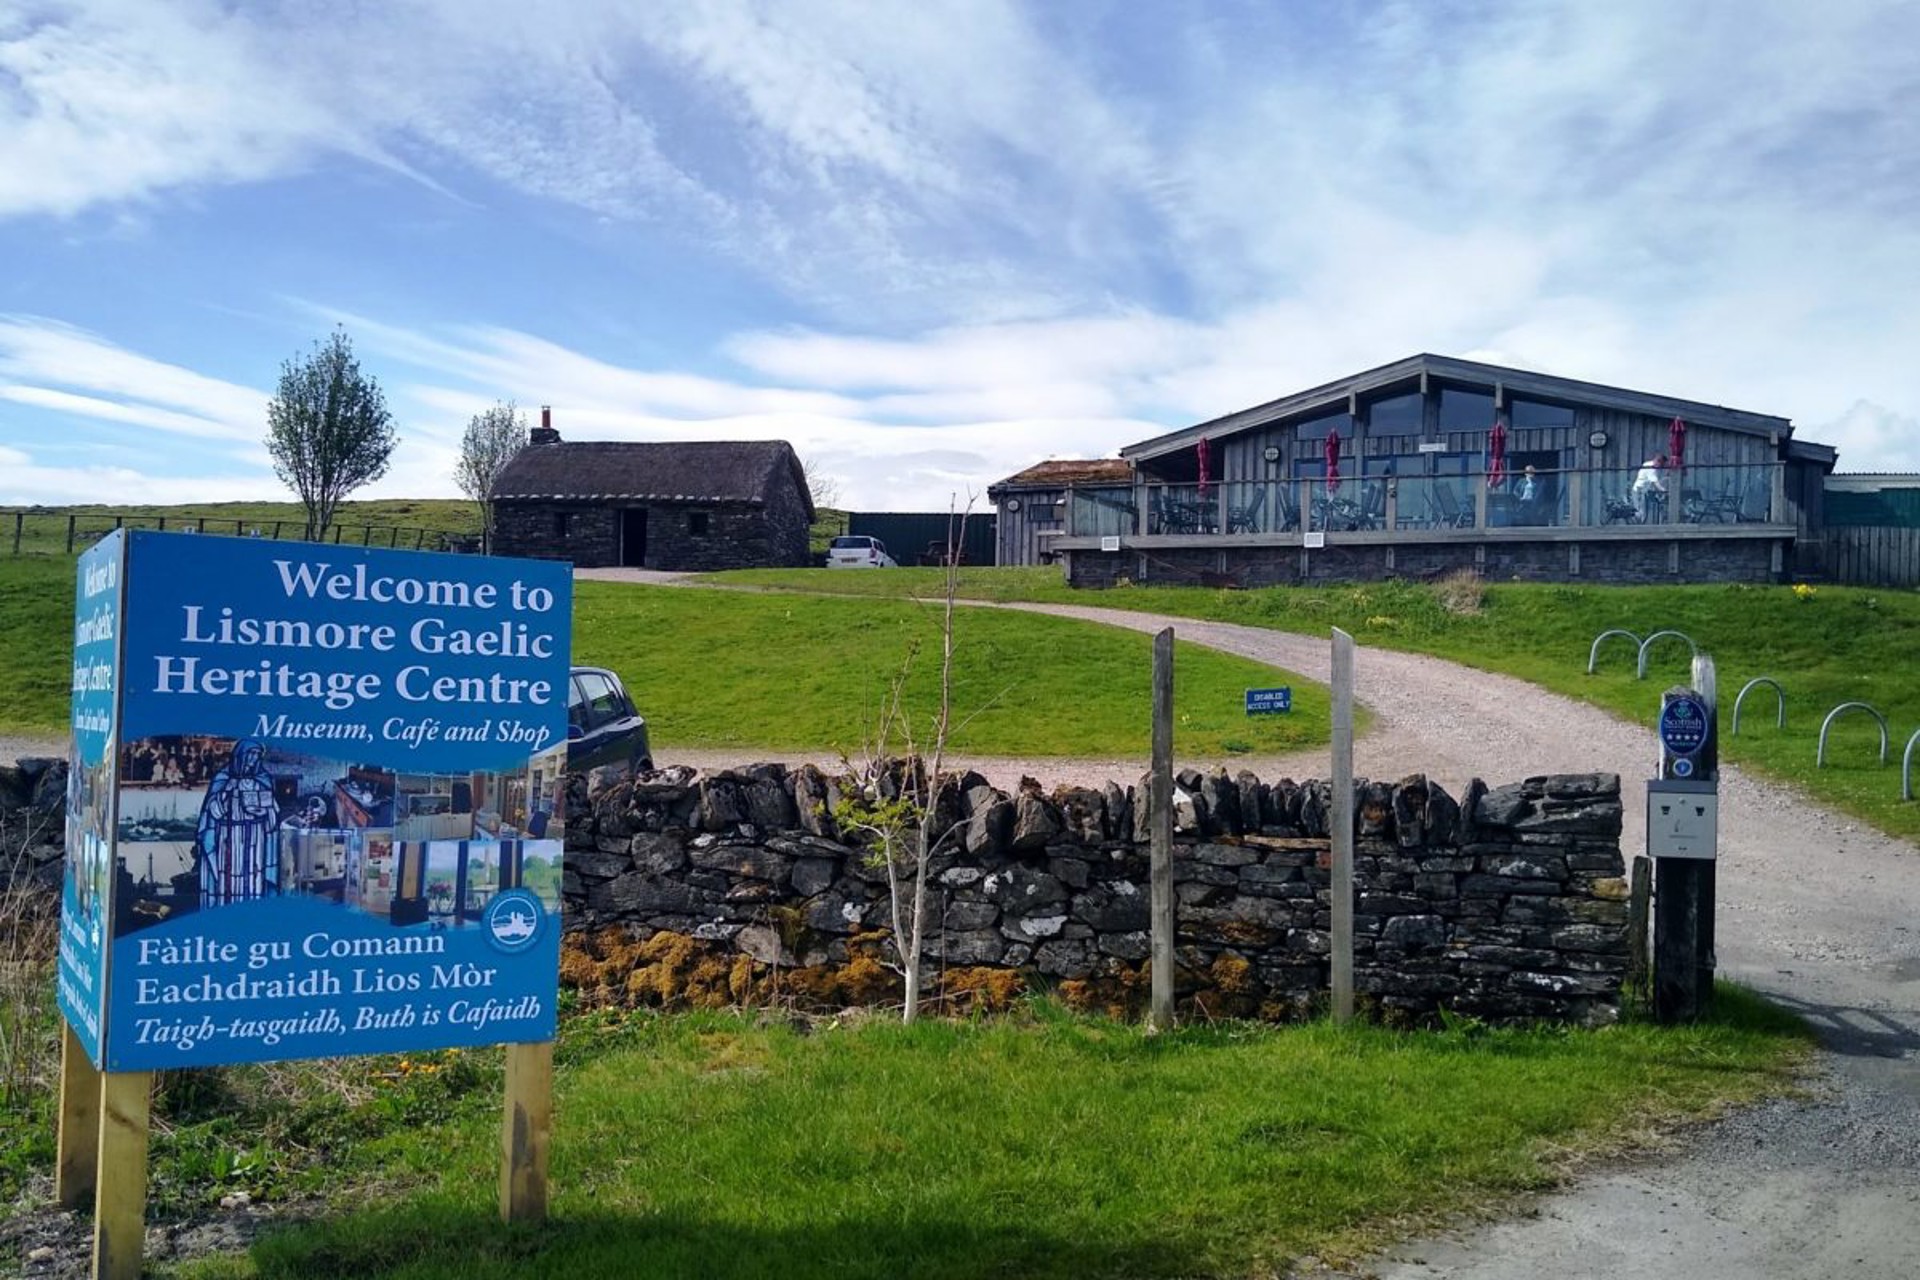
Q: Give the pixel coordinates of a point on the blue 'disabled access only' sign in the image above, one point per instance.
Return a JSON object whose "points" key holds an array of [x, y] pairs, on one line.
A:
{"points": [[1269, 701], [338, 781]]}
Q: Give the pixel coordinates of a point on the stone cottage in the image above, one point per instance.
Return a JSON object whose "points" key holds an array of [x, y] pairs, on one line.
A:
{"points": [[686, 505]]}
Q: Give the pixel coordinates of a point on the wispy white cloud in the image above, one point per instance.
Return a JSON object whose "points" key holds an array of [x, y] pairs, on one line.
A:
{"points": [[1020, 230], [60, 367]]}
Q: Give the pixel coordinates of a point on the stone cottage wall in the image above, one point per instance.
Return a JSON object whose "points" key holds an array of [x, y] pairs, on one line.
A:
{"points": [[1508, 904]]}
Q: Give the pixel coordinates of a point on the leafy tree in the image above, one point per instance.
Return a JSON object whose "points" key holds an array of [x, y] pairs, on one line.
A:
{"points": [[493, 436], [908, 808], [328, 429]]}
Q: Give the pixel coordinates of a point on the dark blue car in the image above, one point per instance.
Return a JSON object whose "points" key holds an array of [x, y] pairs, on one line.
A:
{"points": [[602, 725]]}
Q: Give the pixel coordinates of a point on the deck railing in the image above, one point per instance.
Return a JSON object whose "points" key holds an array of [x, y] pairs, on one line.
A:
{"points": [[1584, 498]]}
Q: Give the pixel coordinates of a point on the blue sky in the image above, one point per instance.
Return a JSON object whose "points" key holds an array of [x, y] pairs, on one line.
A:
{"points": [[931, 243]]}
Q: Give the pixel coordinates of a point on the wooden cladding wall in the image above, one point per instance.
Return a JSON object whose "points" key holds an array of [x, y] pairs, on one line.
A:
{"points": [[1873, 556], [1632, 438]]}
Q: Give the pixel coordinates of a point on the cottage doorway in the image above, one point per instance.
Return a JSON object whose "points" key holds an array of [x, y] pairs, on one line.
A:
{"points": [[633, 537]]}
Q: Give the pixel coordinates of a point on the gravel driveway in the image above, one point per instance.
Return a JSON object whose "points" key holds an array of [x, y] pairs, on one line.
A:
{"points": [[1816, 910]]}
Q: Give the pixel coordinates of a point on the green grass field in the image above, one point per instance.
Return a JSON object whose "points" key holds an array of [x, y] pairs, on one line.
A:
{"points": [[733, 669], [1825, 647], [1037, 1145]]}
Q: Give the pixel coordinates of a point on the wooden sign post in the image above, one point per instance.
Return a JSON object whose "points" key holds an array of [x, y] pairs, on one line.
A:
{"points": [[1160, 810], [1342, 819], [1683, 840]]}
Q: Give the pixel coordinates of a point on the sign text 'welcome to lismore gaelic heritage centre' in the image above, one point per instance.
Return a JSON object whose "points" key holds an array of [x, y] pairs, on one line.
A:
{"points": [[316, 803]]}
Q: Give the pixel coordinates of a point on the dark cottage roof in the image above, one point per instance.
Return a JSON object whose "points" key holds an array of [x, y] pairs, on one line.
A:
{"points": [[715, 471], [1069, 471]]}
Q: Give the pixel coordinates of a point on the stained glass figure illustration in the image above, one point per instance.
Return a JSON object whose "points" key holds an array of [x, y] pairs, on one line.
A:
{"points": [[234, 843]]}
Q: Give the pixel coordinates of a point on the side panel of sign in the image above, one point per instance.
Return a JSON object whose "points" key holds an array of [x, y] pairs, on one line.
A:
{"points": [[342, 801], [88, 886]]}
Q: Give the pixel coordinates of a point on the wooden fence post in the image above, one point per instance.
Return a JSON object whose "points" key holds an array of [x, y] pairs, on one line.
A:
{"points": [[1342, 879], [1639, 979], [120, 1192], [78, 1141], [70, 522], [526, 1132], [1160, 807]]}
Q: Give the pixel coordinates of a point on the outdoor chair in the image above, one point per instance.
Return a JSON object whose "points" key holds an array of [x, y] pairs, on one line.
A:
{"points": [[1620, 510], [1373, 506], [1448, 510], [1247, 519], [1289, 511]]}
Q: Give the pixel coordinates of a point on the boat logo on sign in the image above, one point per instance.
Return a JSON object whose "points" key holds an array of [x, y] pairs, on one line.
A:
{"points": [[512, 920]]}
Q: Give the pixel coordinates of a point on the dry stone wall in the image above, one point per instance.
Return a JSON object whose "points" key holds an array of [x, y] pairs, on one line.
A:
{"points": [[739, 886], [1507, 904]]}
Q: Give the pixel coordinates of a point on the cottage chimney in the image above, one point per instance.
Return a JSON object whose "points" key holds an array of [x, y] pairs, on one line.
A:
{"points": [[544, 433]]}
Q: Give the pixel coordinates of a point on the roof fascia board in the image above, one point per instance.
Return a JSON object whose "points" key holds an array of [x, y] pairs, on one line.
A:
{"points": [[1694, 412], [1326, 394]]}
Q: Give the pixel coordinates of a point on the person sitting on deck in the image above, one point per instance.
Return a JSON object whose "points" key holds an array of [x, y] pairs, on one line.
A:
{"points": [[1648, 489]]}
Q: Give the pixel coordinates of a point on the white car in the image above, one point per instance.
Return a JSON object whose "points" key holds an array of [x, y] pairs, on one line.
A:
{"points": [[858, 551]]}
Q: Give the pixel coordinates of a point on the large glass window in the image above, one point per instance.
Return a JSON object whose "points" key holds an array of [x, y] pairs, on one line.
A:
{"points": [[1396, 415], [1536, 413], [1317, 428], [1465, 410]]}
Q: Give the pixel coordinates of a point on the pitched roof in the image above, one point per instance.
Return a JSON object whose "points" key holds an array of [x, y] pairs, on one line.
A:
{"points": [[1410, 371], [1066, 471], [678, 471]]}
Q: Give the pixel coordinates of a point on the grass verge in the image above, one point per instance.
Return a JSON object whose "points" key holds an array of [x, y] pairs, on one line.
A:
{"points": [[1826, 645], [723, 668], [1042, 1144]]}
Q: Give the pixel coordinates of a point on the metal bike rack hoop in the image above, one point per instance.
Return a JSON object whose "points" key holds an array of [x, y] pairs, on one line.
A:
{"points": [[1593, 654], [1906, 767], [1646, 644], [1780, 719], [1820, 756]]}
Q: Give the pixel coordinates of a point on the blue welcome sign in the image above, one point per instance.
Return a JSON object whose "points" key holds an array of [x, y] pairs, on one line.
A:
{"points": [[337, 784]]}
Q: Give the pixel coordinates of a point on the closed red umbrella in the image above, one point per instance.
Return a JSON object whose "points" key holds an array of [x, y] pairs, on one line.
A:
{"points": [[1497, 455], [1677, 445], [1333, 459], [1206, 475]]}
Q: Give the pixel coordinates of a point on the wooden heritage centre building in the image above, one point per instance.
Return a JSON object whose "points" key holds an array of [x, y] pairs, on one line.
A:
{"points": [[1428, 465]]}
